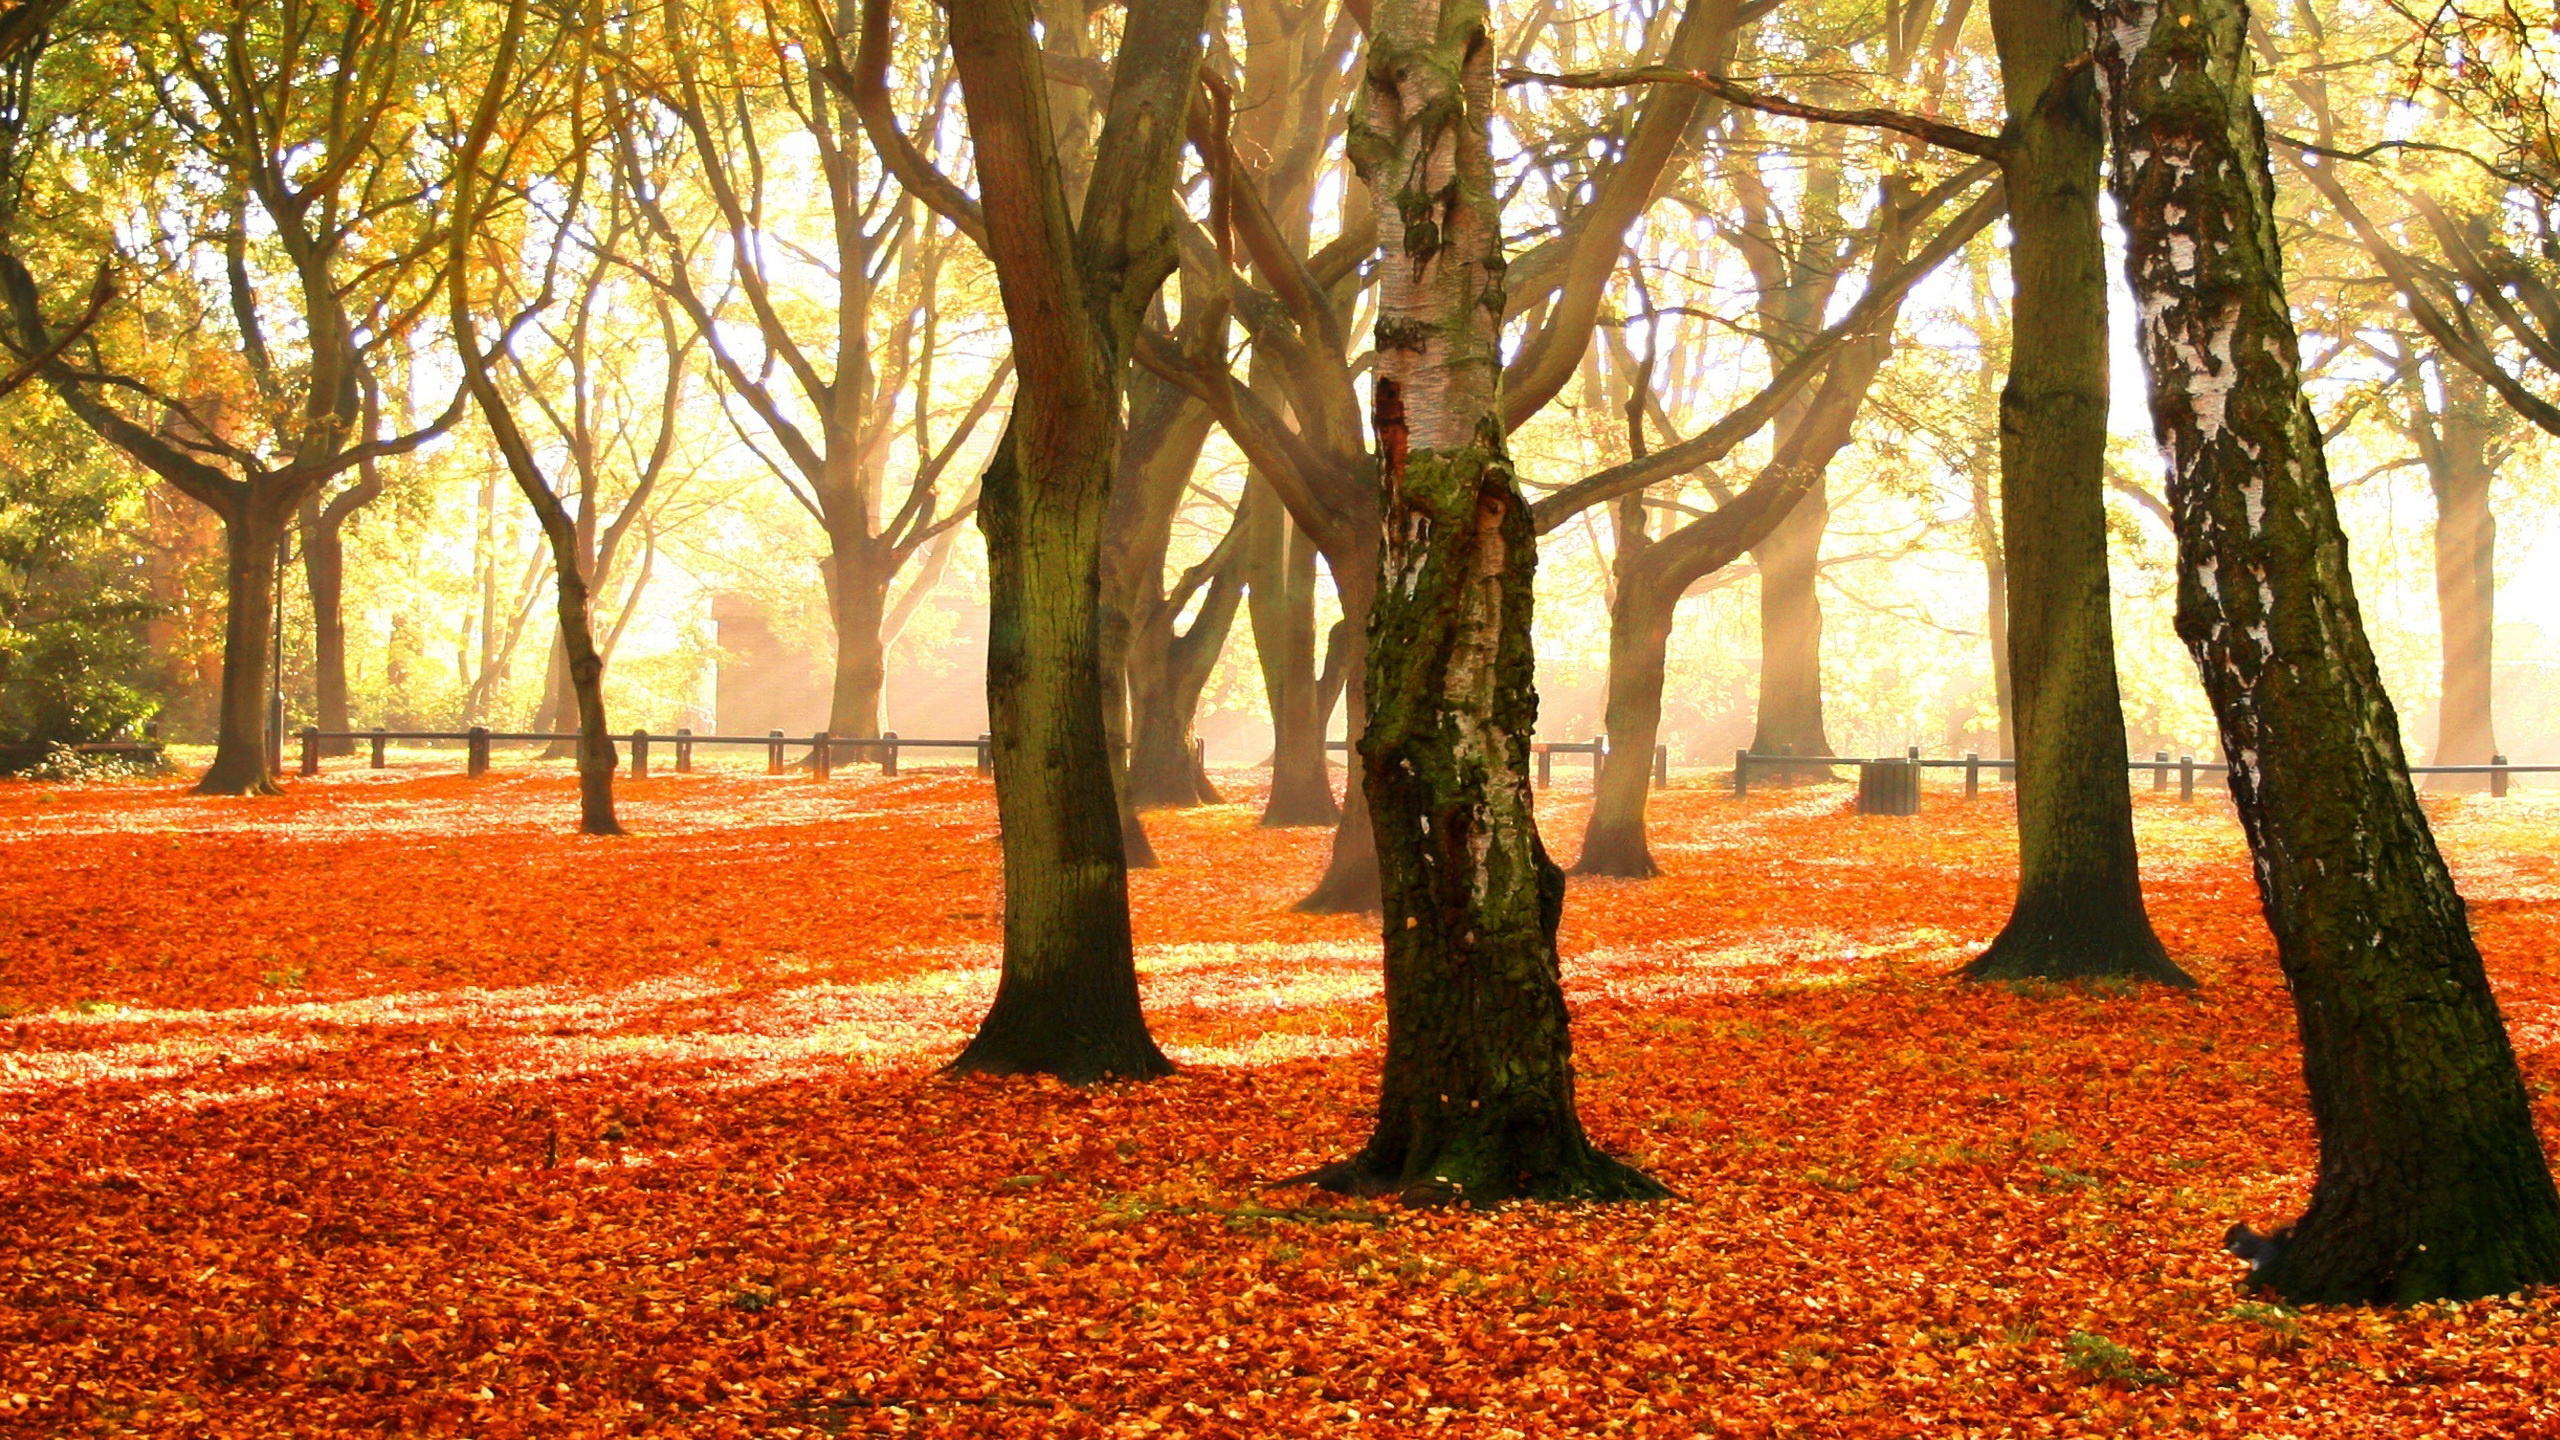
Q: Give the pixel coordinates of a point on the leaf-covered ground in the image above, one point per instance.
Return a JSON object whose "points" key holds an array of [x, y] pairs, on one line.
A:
{"points": [[388, 1106]]}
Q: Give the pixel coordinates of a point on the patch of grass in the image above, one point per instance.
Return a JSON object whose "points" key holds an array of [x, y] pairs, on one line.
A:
{"points": [[2058, 1178], [2100, 1358], [286, 977]]}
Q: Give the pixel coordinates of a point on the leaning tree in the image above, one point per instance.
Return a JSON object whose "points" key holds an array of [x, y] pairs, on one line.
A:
{"points": [[2431, 1181]]}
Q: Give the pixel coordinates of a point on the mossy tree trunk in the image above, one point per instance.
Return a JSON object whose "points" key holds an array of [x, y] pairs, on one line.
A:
{"points": [[1477, 1103], [1073, 291], [2079, 912], [2431, 1180]]}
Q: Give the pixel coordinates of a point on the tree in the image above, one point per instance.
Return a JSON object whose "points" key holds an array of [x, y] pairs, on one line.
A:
{"points": [[1074, 290], [2079, 912], [824, 391], [2431, 1180], [304, 149], [1476, 1105], [475, 218]]}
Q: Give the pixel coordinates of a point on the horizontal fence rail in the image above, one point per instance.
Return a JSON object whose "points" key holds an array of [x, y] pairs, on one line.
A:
{"points": [[2185, 767], [1597, 747], [824, 750]]}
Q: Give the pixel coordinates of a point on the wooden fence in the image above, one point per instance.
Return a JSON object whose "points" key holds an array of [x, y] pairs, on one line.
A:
{"points": [[1899, 793], [824, 750], [1597, 747]]}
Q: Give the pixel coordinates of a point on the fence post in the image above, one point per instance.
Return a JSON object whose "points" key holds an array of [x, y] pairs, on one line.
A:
{"points": [[2498, 776], [822, 755], [1199, 755], [684, 749], [310, 749], [2186, 777], [1661, 767], [1546, 766], [773, 752], [889, 752], [476, 753], [1741, 773], [1972, 773], [381, 743], [986, 754], [1599, 752], [2159, 770], [639, 754]]}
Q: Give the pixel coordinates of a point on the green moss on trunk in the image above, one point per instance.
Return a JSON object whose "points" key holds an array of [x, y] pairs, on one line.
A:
{"points": [[2431, 1180]]}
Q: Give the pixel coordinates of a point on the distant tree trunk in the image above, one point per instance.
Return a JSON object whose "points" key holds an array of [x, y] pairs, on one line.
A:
{"points": [[1790, 561], [1283, 612], [1067, 1000], [1476, 1105], [2431, 1181], [1995, 606], [2460, 466], [1653, 576], [1640, 616], [2079, 912], [1164, 697], [858, 601], [324, 574], [596, 759], [1350, 883]]}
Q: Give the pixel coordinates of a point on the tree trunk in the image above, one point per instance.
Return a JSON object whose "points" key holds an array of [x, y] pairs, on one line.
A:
{"points": [[251, 535], [1639, 646], [1790, 719], [2079, 912], [1349, 885], [2431, 1181], [1164, 696], [857, 600], [324, 574], [1067, 1001], [2461, 468], [1283, 600], [1476, 1105]]}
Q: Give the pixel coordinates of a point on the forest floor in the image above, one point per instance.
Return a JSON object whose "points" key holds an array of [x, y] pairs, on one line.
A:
{"points": [[388, 1105]]}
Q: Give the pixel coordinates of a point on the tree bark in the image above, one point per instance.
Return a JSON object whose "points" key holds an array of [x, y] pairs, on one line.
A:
{"points": [[324, 573], [1790, 560], [1067, 1000], [1640, 615], [2460, 466], [1350, 883], [1476, 1105], [858, 599], [252, 531], [2078, 913], [1282, 601], [2431, 1180]]}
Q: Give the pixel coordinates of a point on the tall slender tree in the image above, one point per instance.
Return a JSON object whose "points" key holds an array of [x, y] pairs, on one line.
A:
{"points": [[2431, 1180], [2079, 911], [1477, 1101], [478, 212]]}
